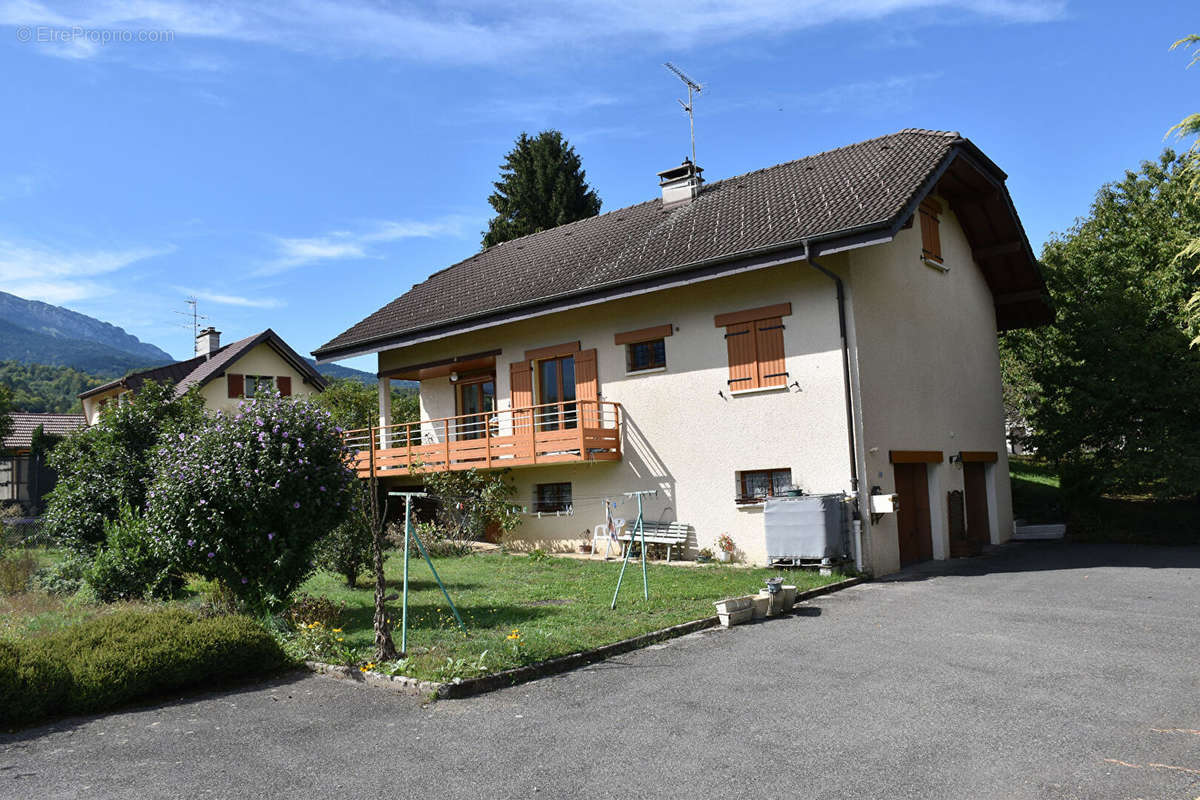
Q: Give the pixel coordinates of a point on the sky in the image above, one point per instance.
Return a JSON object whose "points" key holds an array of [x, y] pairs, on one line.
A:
{"points": [[297, 164]]}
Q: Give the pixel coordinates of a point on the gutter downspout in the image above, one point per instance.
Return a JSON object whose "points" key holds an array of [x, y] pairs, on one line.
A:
{"points": [[810, 257]]}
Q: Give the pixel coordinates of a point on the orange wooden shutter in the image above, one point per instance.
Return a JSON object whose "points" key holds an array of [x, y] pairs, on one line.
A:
{"points": [[587, 388], [743, 371], [772, 371], [237, 384], [931, 239], [284, 384], [521, 394]]}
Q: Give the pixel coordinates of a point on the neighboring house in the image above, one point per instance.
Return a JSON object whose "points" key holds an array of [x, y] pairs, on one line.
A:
{"points": [[828, 324], [262, 363], [24, 476]]}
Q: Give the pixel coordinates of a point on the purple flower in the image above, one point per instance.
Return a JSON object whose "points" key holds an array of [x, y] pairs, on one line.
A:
{"points": [[322, 488], [258, 421], [191, 542], [212, 554], [270, 536], [296, 504], [245, 581]]}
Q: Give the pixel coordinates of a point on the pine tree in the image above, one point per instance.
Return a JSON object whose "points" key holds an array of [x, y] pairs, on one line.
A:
{"points": [[541, 186]]}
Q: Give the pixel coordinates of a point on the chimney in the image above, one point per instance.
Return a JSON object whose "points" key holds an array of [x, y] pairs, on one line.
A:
{"points": [[208, 341], [680, 184]]}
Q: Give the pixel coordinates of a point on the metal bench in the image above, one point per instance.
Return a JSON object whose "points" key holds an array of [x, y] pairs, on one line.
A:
{"points": [[672, 534]]}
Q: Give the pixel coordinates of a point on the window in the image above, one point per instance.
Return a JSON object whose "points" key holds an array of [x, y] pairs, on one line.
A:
{"points": [[551, 497], [259, 384], [476, 401], [556, 385], [754, 339], [754, 486], [646, 355], [931, 240]]}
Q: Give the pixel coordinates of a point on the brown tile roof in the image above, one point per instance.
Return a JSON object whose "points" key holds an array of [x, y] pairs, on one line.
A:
{"points": [[871, 183], [25, 423], [200, 370]]}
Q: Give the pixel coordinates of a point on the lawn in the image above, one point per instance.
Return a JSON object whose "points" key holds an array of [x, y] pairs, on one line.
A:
{"points": [[555, 606], [1037, 498]]}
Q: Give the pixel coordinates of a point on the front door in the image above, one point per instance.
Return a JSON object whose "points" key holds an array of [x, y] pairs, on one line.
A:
{"points": [[556, 393], [979, 529], [913, 521], [476, 401]]}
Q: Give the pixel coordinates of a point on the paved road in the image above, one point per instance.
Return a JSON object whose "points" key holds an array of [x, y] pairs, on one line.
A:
{"points": [[1047, 670]]}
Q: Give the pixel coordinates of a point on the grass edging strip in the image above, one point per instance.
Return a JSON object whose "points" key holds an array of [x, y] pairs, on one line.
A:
{"points": [[467, 687]]}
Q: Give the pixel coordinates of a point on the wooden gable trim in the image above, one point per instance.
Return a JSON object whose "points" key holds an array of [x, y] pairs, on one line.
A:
{"points": [[752, 315], [915, 456], [443, 362], [644, 334], [553, 351], [979, 456]]}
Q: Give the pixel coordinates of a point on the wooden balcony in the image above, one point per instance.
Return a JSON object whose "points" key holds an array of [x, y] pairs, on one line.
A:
{"points": [[554, 433]]}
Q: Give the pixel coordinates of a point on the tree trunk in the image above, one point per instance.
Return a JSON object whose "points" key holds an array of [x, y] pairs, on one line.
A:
{"points": [[385, 648]]}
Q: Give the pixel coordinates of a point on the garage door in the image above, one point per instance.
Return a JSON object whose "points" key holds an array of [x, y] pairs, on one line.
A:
{"points": [[912, 521]]}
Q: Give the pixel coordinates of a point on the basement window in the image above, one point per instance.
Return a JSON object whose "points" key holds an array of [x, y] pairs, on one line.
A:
{"points": [[551, 497], [756, 485]]}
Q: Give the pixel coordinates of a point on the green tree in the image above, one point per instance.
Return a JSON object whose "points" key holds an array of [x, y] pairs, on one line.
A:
{"points": [[1113, 388], [107, 466], [39, 387], [1190, 126], [6, 407], [353, 404], [541, 186]]}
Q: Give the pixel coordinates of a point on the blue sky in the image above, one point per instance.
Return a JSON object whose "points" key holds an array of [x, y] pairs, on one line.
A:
{"points": [[298, 164]]}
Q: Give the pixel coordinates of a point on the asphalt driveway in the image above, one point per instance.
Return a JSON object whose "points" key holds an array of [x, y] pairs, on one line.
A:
{"points": [[1047, 670]]}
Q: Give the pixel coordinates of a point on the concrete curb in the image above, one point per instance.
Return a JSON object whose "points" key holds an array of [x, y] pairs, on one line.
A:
{"points": [[459, 687]]}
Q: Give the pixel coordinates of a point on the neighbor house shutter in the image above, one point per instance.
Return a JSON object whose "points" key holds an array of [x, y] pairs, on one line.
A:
{"points": [[743, 370], [587, 388], [284, 384], [772, 371], [521, 395], [237, 384]]}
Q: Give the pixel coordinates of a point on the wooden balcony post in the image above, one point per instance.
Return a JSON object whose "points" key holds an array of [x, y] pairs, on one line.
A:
{"points": [[579, 418], [446, 435], [487, 440], [533, 434], [408, 441]]}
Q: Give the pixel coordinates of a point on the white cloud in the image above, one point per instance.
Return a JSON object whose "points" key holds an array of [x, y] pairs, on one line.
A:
{"points": [[342, 245], [232, 299], [54, 275], [476, 32]]}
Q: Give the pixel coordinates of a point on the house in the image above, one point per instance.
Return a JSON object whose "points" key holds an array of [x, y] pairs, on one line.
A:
{"points": [[827, 324], [24, 476], [262, 363]]}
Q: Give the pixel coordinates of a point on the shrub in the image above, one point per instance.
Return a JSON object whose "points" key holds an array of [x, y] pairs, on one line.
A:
{"points": [[16, 571], [102, 467], [131, 654], [470, 501], [347, 550], [245, 498], [306, 609], [129, 566], [62, 578]]}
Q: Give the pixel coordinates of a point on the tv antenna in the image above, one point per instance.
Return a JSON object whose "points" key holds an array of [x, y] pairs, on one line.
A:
{"points": [[693, 88], [194, 314]]}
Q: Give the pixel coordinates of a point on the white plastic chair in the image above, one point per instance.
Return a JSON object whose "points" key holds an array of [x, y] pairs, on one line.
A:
{"points": [[610, 538]]}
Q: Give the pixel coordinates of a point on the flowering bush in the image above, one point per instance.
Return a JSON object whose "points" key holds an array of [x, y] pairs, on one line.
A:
{"points": [[725, 543], [245, 497]]}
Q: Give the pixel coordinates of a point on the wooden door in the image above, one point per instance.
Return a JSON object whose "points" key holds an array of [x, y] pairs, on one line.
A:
{"points": [[913, 520], [979, 529]]}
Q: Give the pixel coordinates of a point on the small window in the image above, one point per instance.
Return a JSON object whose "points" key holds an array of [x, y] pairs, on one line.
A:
{"points": [[551, 497], [259, 385], [931, 238], [645, 355], [755, 486]]}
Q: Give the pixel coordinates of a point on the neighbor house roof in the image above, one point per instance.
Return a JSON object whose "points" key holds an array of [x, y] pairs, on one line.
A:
{"points": [[25, 423], [851, 196], [200, 370]]}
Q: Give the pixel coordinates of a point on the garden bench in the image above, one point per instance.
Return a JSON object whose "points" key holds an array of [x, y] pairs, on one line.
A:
{"points": [[672, 534]]}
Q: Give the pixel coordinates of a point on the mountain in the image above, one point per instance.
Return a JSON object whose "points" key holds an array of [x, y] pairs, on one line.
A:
{"points": [[29, 347], [366, 378], [56, 322]]}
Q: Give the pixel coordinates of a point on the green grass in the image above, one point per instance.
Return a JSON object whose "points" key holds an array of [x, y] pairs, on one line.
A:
{"points": [[558, 606], [1038, 498]]}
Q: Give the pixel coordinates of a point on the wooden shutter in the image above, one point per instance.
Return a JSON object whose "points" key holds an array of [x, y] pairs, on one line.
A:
{"points": [[743, 365], [768, 338], [521, 395], [237, 384], [587, 388], [931, 239], [284, 384]]}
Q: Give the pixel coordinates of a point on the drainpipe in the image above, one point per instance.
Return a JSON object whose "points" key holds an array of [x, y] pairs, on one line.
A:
{"points": [[810, 256]]}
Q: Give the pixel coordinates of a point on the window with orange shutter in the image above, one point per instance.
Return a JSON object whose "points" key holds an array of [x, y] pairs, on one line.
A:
{"points": [[931, 239], [754, 340]]}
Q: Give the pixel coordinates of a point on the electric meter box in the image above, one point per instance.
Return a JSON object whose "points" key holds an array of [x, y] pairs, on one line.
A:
{"points": [[884, 503]]}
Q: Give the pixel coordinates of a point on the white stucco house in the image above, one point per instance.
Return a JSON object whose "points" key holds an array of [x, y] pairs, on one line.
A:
{"points": [[224, 374], [828, 325]]}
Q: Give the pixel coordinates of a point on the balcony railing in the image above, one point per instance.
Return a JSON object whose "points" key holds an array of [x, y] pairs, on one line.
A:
{"points": [[552, 433]]}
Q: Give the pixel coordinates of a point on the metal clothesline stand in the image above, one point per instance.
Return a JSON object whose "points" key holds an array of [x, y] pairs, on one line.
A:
{"points": [[638, 527], [410, 531]]}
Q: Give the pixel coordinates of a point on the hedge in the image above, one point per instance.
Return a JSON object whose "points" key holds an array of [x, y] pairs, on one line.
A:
{"points": [[131, 654]]}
